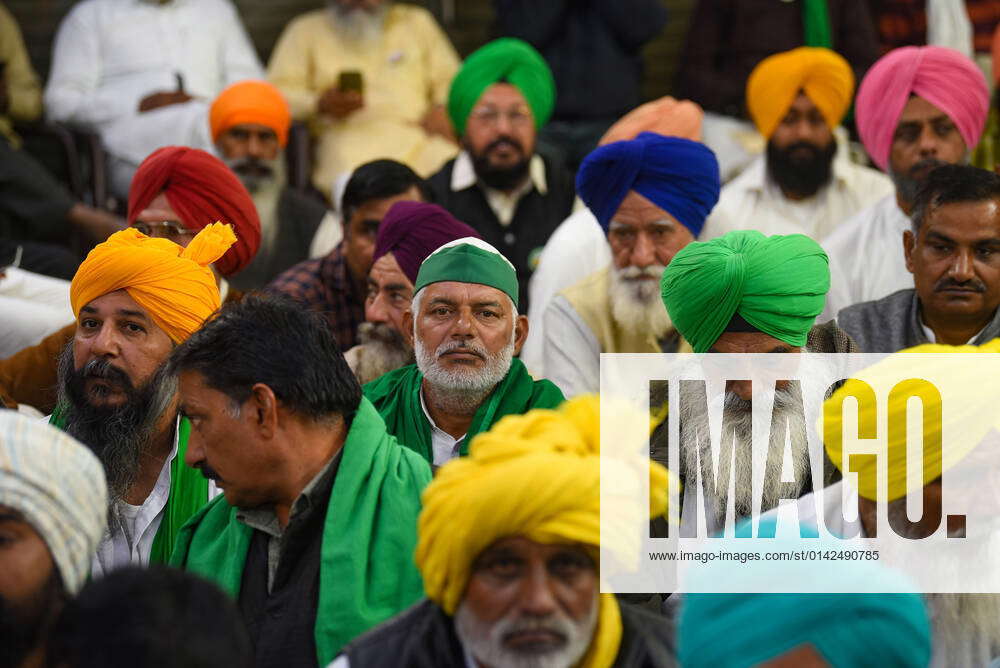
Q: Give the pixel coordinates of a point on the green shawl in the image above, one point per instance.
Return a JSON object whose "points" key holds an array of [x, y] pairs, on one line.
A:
{"points": [[816, 29], [396, 396], [367, 572], [188, 492]]}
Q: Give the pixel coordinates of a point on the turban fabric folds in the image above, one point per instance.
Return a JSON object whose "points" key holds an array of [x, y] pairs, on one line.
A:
{"points": [[469, 260], [942, 76], [173, 284], [777, 284], [947, 438], [678, 175], [666, 116], [823, 75], [509, 60], [870, 615], [536, 476], [58, 485], [250, 101], [413, 230], [202, 190]]}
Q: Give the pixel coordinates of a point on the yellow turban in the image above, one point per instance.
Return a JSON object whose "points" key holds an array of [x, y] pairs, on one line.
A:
{"points": [[537, 476], [774, 84], [971, 415], [172, 283], [666, 116]]}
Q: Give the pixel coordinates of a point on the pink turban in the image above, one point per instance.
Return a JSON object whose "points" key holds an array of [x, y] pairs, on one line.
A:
{"points": [[943, 77]]}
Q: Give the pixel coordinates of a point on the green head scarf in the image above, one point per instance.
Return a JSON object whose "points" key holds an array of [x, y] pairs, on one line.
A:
{"points": [[776, 284], [469, 260], [506, 59]]}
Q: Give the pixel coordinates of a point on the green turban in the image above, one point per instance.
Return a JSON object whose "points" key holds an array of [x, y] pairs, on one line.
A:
{"points": [[776, 284], [469, 260], [506, 59]]}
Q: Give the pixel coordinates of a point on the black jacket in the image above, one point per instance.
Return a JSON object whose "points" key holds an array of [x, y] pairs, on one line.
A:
{"points": [[424, 637]]}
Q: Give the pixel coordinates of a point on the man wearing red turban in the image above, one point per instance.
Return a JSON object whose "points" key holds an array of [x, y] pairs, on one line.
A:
{"points": [[178, 191], [917, 108]]}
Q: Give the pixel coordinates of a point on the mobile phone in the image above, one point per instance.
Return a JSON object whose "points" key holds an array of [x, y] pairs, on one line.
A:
{"points": [[351, 80]]}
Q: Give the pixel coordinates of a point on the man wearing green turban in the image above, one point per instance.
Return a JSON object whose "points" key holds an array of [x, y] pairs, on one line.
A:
{"points": [[503, 94]]}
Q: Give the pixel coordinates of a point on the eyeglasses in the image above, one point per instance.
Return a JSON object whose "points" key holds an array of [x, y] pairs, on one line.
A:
{"points": [[167, 229], [490, 116]]}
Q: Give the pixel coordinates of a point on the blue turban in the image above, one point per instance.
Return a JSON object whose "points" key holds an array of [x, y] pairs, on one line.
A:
{"points": [[678, 175], [887, 627]]}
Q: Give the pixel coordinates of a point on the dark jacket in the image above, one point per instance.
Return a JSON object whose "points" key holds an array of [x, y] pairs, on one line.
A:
{"points": [[535, 218], [594, 48], [424, 637], [892, 323]]}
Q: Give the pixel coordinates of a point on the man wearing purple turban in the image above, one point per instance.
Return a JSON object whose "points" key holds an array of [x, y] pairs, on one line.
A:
{"points": [[409, 233], [917, 108]]}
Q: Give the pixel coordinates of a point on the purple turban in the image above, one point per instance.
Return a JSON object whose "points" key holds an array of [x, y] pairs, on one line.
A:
{"points": [[943, 77], [413, 230]]}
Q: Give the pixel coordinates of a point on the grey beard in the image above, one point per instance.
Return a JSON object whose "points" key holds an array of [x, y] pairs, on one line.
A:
{"points": [[358, 26], [118, 435], [968, 625], [383, 350], [485, 641], [635, 304], [740, 421], [461, 391]]}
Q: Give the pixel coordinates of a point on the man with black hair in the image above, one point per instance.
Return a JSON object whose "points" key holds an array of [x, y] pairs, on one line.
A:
{"points": [[953, 252], [315, 532], [335, 284], [149, 610]]}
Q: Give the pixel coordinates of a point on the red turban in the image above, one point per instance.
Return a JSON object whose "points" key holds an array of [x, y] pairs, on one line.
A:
{"points": [[202, 190]]}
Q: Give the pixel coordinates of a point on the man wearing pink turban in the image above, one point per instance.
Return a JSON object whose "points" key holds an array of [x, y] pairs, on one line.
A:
{"points": [[918, 108], [579, 246]]}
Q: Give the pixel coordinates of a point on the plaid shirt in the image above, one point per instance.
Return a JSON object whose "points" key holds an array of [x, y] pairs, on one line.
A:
{"points": [[325, 285]]}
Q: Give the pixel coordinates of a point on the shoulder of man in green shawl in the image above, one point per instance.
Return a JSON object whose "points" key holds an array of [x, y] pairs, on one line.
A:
{"points": [[213, 544], [386, 386]]}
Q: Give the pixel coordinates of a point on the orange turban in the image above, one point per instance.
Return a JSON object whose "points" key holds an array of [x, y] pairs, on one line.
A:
{"points": [[250, 101], [171, 283], [822, 74], [666, 116]]}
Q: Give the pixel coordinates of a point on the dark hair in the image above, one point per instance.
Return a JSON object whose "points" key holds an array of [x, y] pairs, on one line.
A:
{"points": [[379, 179], [155, 617], [272, 340], [949, 184]]}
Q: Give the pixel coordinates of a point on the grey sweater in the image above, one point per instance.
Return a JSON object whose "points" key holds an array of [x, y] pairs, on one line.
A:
{"points": [[892, 323]]}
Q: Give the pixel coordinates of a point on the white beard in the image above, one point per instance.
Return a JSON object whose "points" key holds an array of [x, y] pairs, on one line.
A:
{"points": [[463, 389], [358, 26], [967, 625], [636, 304]]}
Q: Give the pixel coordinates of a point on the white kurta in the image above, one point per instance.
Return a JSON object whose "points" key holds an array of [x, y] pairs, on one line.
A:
{"points": [[866, 257], [110, 54], [752, 201], [576, 249], [33, 306]]}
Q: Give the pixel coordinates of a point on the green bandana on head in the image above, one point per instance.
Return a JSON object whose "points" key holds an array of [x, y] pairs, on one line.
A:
{"points": [[776, 284], [509, 60], [468, 260]]}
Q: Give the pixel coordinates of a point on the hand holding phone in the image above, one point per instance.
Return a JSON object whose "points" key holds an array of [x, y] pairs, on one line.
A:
{"points": [[345, 98]]}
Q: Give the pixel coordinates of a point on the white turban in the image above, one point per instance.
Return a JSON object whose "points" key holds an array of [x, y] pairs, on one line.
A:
{"points": [[58, 485]]}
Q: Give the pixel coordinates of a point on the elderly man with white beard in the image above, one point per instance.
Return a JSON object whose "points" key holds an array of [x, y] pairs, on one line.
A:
{"points": [[747, 293], [465, 331], [651, 195]]}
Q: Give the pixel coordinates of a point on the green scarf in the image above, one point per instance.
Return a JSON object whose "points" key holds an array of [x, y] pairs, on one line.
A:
{"points": [[396, 396], [816, 23], [367, 573], [188, 492]]}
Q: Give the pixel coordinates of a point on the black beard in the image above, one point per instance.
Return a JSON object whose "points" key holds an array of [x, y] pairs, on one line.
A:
{"points": [[118, 435], [908, 184], [22, 627], [501, 178], [801, 176]]}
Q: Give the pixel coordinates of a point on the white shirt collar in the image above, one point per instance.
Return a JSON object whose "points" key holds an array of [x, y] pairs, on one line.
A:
{"points": [[463, 174], [444, 446]]}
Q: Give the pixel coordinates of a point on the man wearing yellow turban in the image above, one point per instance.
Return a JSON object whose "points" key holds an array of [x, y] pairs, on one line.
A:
{"points": [[806, 182], [135, 298], [250, 122], [507, 546]]}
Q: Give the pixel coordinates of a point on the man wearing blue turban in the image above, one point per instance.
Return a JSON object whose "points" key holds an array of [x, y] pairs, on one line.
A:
{"points": [[651, 196]]}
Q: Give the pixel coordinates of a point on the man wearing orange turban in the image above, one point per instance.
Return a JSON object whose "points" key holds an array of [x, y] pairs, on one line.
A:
{"points": [[806, 182], [579, 246], [136, 298], [250, 121]]}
